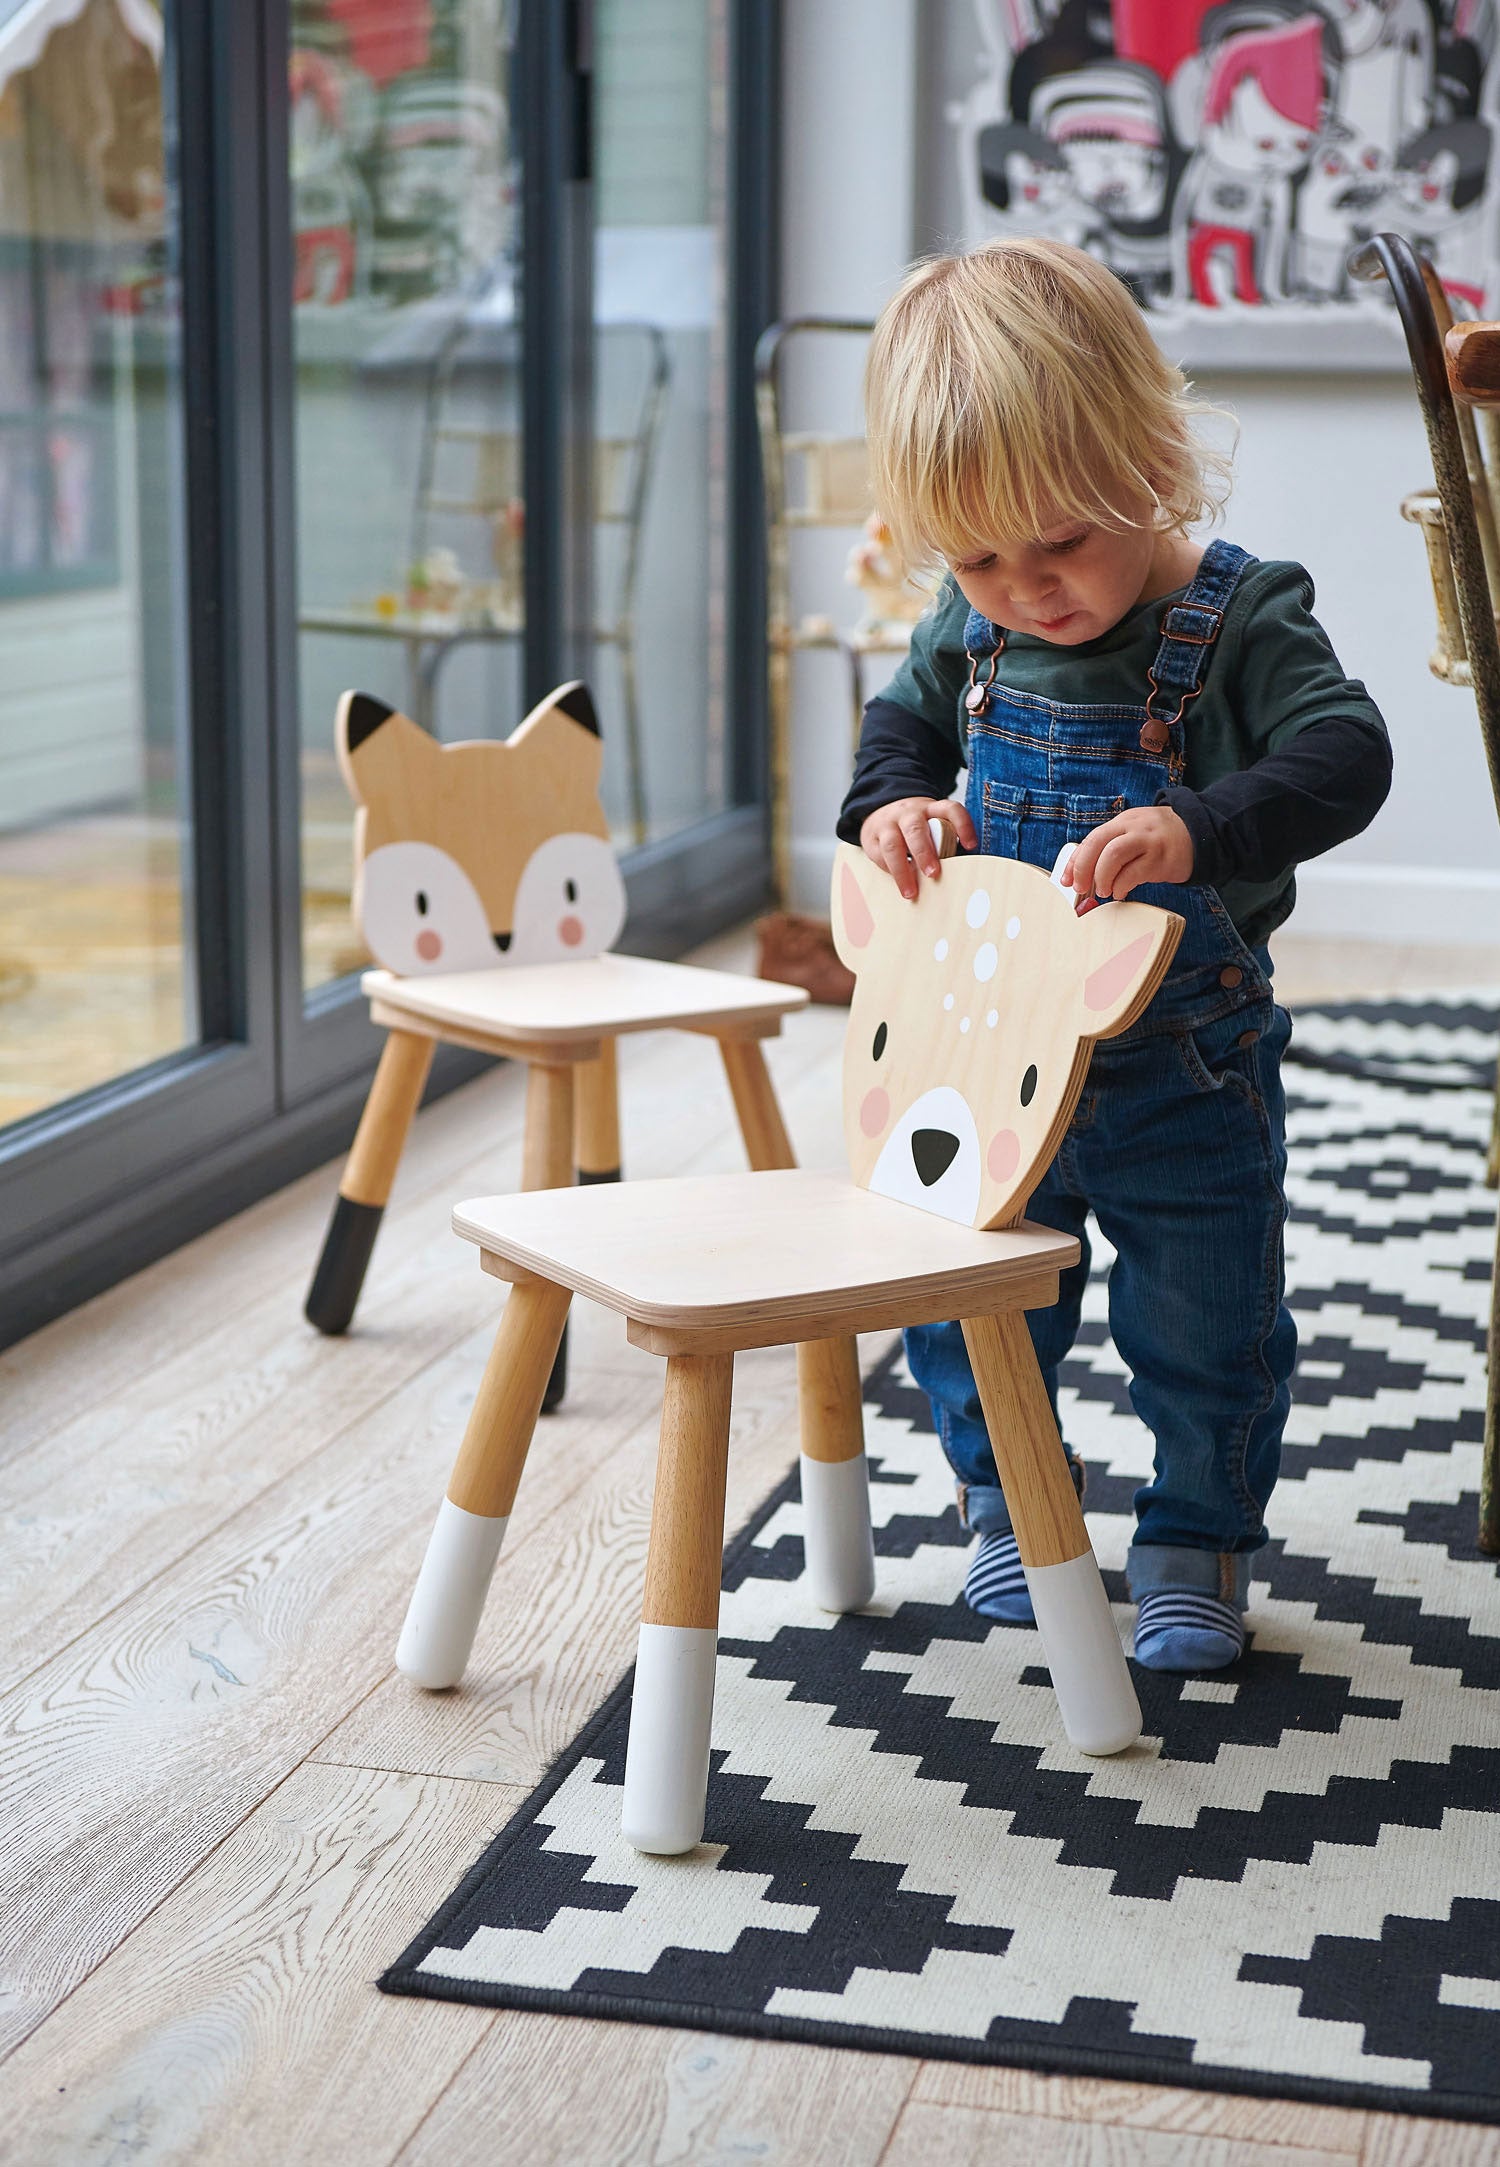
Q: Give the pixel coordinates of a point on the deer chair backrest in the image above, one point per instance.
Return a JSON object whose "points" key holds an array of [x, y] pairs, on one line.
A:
{"points": [[976, 1009], [483, 854]]}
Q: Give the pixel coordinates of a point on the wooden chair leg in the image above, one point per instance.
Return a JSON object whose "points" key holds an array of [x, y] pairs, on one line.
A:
{"points": [[365, 1188], [547, 1163], [596, 1117], [449, 1595], [1089, 1675], [666, 1761], [835, 1476], [766, 1141]]}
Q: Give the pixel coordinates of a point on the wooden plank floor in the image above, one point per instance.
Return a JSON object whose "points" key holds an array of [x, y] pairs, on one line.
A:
{"points": [[224, 1814]]}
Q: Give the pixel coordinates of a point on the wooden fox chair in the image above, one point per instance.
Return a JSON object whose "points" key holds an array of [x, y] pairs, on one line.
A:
{"points": [[486, 888], [975, 1012]]}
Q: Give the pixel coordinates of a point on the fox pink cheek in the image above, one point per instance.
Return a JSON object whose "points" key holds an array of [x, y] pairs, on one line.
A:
{"points": [[429, 946], [874, 1111], [570, 931], [1004, 1155]]}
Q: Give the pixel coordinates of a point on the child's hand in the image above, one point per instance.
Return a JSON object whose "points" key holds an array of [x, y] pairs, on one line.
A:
{"points": [[1150, 842], [896, 838]]}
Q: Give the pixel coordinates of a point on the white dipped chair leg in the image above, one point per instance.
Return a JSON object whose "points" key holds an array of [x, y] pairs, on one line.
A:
{"points": [[666, 1760], [836, 1532], [835, 1476], [671, 1717], [446, 1603], [448, 1599], [1095, 1697], [1090, 1677]]}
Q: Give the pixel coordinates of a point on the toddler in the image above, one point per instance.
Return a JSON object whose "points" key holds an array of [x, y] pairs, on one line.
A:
{"points": [[1178, 714]]}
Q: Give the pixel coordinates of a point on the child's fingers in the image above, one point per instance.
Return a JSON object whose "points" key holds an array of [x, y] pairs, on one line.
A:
{"points": [[1083, 867], [919, 842], [957, 816], [1124, 863], [896, 859]]}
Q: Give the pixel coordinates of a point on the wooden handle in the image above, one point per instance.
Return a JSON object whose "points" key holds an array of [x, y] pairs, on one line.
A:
{"points": [[1473, 352], [946, 837]]}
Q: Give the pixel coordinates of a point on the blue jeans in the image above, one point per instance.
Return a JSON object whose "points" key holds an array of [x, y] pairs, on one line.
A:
{"points": [[1178, 1148]]}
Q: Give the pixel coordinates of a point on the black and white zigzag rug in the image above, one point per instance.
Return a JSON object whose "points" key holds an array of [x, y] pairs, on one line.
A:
{"points": [[1291, 1887]]}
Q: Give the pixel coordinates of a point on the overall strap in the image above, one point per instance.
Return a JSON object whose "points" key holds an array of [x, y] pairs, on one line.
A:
{"points": [[980, 636], [1188, 632]]}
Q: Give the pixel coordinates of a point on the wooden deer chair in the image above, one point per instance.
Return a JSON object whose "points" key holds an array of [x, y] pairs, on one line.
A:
{"points": [[974, 1015], [487, 890]]}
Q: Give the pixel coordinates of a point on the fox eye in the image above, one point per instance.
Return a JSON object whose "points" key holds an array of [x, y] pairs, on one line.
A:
{"points": [[879, 1046], [421, 902], [570, 890], [1028, 1085]]}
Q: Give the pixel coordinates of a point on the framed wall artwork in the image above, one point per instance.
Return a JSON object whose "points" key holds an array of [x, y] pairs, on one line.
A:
{"points": [[1225, 159]]}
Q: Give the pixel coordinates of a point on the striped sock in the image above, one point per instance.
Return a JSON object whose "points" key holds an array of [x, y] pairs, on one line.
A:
{"points": [[1185, 1629], [996, 1585]]}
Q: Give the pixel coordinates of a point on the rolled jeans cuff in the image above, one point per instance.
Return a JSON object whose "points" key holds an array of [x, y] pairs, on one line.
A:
{"points": [[1225, 1573], [982, 1507]]}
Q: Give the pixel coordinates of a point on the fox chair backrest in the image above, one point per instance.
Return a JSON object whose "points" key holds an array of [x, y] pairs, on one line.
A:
{"points": [[482, 854], [975, 1011]]}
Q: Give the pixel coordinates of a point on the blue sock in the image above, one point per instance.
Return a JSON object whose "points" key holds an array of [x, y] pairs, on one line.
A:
{"points": [[1187, 1629], [996, 1586]]}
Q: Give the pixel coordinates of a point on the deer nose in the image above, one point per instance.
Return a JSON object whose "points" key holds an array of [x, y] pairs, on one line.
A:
{"points": [[932, 1153], [502, 940]]}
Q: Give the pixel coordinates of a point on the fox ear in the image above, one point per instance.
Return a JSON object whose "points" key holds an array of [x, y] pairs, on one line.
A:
{"points": [[857, 902], [373, 741], [564, 728], [1126, 950]]}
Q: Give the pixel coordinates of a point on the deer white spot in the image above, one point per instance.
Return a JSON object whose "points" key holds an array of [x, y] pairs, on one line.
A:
{"points": [[940, 952], [985, 963], [963, 1023], [992, 1018], [1012, 928], [979, 907], [947, 1000]]}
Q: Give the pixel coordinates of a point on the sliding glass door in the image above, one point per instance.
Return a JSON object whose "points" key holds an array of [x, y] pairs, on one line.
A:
{"points": [[396, 344]]}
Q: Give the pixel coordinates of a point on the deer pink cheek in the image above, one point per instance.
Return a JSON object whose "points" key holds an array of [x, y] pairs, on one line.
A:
{"points": [[570, 931], [429, 946], [1004, 1155], [874, 1111]]}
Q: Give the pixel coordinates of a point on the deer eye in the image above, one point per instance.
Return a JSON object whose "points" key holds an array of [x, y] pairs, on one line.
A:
{"points": [[570, 890], [879, 1046], [1028, 1085], [421, 902]]}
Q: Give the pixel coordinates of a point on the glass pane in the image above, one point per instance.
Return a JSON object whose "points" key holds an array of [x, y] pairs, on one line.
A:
{"points": [[409, 514], [95, 845], [659, 371]]}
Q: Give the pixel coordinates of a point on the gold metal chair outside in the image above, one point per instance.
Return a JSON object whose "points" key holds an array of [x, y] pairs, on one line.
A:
{"points": [[470, 473], [810, 479], [1458, 522]]}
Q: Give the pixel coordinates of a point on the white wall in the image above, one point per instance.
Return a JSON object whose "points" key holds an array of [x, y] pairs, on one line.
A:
{"points": [[1323, 463]]}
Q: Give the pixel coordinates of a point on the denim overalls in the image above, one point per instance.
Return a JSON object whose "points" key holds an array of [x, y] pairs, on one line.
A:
{"points": [[1177, 1145]]}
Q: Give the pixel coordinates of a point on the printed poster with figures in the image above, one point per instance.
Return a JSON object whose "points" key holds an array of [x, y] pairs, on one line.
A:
{"points": [[1225, 159]]}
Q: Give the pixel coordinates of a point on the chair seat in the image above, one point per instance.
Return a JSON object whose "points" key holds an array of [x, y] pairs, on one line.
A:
{"points": [[761, 1258], [558, 1004]]}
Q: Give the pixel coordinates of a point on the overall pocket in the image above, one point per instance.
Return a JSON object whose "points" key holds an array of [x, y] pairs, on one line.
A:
{"points": [[1033, 825]]}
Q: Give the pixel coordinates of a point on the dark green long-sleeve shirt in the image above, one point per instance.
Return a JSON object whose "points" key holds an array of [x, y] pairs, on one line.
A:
{"points": [[1285, 754]]}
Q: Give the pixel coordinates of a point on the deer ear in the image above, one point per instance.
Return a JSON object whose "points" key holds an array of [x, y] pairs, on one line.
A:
{"points": [[856, 904], [1127, 948], [373, 741]]}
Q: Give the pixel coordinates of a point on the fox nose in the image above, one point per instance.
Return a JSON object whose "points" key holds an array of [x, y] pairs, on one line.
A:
{"points": [[502, 941], [932, 1153]]}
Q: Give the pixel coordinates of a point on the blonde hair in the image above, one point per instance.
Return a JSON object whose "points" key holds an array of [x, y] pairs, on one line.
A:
{"points": [[1016, 387]]}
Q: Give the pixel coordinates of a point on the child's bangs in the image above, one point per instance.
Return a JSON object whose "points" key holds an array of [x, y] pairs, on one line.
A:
{"points": [[1011, 479]]}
